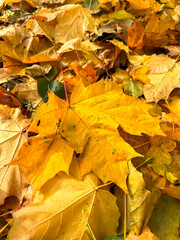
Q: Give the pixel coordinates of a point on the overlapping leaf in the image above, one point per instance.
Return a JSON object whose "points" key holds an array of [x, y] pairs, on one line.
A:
{"points": [[11, 139], [91, 209], [89, 126], [101, 129]]}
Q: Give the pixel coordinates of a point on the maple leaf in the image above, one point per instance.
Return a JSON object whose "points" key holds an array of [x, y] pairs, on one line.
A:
{"points": [[156, 34], [11, 139], [141, 4], [174, 107], [54, 152], [159, 63], [135, 35], [162, 84], [86, 75], [139, 200], [160, 152], [71, 21], [165, 219], [92, 209], [101, 141], [27, 91], [27, 48], [89, 126]]}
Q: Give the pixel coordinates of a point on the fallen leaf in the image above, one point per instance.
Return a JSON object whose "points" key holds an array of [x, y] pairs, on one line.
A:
{"points": [[171, 131], [27, 91], [160, 150], [140, 74], [72, 21], [94, 116], [162, 84], [135, 36], [141, 4], [174, 106], [159, 64], [133, 88], [92, 209], [87, 74], [11, 139], [146, 234], [156, 31], [164, 222], [139, 200], [172, 190], [6, 98], [11, 131], [51, 155], [120, 45], [173, 50]]}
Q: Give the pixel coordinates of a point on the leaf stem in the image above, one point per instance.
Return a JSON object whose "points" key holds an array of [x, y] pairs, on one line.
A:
{"points": [[147, 160], [125, 215], [89, 227], [24, 129], [65, 89], [2, 229]]}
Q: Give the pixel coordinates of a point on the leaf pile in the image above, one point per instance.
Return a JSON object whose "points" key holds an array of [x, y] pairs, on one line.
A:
{"points": [[90, 119]]}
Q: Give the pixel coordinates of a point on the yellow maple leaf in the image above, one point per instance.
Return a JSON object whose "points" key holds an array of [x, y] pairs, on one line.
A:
{"points": [[141, 4], [89, 126], [162, 84], [139, 200], [50, 155], [66, 208], [64, 23]]}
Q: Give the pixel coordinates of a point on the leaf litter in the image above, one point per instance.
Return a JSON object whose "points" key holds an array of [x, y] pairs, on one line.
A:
{"points": [[89, 111]]}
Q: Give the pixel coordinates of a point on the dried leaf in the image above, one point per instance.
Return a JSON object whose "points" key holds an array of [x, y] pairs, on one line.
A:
{"points": [[159, 64], [162, 84], [135, 35]]}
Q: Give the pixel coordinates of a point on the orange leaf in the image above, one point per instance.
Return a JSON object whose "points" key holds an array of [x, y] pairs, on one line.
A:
{"points": [[135, 35]]}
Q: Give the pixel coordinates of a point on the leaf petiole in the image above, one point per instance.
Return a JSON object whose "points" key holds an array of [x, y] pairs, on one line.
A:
{"points": [[147, 160]]}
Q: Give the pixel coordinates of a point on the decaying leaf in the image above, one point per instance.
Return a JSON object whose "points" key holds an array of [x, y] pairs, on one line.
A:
{"points": [[164, 222], [160, 153]]}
